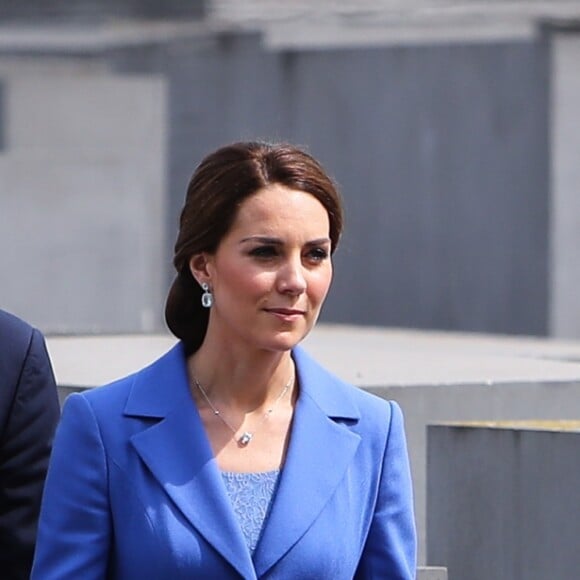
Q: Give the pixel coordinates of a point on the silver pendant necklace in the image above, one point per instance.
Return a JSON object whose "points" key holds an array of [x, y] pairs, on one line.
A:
{"points": [[244, 439]]}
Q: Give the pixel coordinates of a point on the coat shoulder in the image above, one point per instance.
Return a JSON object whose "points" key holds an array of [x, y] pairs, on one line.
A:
{"points": [[110, 397], [150, 389], [339, 398], [14, 331]]}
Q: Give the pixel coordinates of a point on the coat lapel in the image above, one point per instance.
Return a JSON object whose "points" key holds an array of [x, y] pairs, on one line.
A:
{"points": [[319, 454], [178, 454]]}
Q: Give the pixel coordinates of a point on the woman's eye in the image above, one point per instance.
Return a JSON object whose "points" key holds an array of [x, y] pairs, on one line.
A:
{"points": [[318, 254], [264, 252]]}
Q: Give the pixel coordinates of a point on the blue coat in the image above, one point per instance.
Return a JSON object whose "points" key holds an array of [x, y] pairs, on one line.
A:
{"points": [[134, 491]]}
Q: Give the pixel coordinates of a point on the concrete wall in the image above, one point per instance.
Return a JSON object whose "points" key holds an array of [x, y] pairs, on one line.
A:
{"points": [[565, 187], [503, 500], [433, 172], [93, 11], [432, 573], [2, 117], [82, 202], [425, 404], [442, 153]]}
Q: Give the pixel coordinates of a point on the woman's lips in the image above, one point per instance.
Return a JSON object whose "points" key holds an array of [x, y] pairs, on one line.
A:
{"points": [[286, 313]]}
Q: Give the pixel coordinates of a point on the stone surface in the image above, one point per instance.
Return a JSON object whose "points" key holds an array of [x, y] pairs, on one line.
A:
{"points": [[96, 11], [432, 573], [502, 499], [565, 187], [82, 200]]}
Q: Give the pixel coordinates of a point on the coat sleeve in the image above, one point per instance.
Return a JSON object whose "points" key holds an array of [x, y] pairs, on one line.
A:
{"points": [[390, 549], [24, 453], [74, 532]]}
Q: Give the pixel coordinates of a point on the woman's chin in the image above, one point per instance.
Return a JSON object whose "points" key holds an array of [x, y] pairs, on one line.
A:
{"points": [[284, 341]]}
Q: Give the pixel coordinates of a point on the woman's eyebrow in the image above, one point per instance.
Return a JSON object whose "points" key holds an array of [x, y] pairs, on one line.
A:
{"points": [[262, 240], [318, 242], [279, 242]]}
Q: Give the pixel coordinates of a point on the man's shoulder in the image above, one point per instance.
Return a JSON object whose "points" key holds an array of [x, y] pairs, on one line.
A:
{"points": [[13, 328], [16, 337]]}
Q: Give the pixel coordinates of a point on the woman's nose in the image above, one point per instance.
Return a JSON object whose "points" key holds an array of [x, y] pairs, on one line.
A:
{"points": [[291, 278]]}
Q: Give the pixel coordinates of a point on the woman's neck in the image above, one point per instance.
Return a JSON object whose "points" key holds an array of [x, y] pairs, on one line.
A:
{"points": [[244, 380]]}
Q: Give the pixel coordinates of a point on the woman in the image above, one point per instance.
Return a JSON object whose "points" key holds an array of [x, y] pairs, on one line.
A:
{"points": [[235, 455]]}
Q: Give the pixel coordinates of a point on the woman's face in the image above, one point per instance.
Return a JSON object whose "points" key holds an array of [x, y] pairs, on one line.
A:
{"points": [[271, 272]]}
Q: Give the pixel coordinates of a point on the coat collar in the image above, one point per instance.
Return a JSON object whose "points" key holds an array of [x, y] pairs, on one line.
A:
{"points": [[163, 385], [177, 452]]}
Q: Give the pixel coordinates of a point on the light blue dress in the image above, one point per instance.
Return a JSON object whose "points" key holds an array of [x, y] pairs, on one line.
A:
{"points": [[251, 495]]}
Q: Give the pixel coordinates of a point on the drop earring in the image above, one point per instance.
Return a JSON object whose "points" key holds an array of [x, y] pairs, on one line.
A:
{"points": [[207, 296]]}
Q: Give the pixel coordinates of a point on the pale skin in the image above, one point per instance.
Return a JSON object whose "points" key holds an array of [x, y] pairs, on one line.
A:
{"points": [[269, 278]]}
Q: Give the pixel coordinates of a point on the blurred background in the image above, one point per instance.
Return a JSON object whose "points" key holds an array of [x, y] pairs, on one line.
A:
{"points": [[451, 127], [453, 130]]}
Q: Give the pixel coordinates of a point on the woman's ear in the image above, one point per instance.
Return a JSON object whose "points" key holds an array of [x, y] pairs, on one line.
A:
{"points": [[198, 268]]}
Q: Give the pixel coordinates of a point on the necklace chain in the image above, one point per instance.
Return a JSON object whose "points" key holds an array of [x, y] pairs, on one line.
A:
{"points": [[244, 439]]}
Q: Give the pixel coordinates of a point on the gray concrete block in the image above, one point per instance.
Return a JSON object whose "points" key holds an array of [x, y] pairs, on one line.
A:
{"points": [[565, 186], [97, 11], [2, 117], [64, 391], [82, 209], [432, 573], [503, 499]]}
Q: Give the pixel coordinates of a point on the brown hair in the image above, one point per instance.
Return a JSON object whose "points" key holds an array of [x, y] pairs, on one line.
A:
{"points": [[222, 181]]}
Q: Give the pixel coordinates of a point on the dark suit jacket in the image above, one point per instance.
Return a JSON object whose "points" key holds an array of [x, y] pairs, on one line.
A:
{"points": [[134, 492], [29, 411]]}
